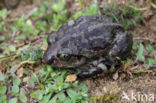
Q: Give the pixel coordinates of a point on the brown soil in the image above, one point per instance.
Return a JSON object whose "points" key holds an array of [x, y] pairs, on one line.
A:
{"points": [[143, 84], [25, 7], [148, 28]]}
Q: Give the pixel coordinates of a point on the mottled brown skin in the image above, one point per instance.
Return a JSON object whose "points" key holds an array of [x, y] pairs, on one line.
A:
{"points": [[88, 45]]}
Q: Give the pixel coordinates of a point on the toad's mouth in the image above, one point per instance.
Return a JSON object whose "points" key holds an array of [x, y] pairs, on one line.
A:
{"points": [[72, 63]]}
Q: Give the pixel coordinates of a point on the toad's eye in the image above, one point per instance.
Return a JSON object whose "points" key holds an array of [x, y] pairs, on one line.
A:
{"points": [[64, 57]]}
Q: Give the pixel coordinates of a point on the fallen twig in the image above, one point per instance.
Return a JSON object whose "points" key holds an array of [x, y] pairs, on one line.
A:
{"points": [[148, 39], [153, 66], [24, 63], [27, 90], [13, 35], [8, 93], [7, 25], [8, 56], [149, 55]]}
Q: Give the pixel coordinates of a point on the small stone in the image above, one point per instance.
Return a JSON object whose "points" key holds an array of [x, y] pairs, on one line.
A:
{"points": [[95, 62], [116, 75], [103, 67]]}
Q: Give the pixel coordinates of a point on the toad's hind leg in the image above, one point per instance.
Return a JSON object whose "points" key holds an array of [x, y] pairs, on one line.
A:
{"points": [[92, 68], [88, 70], [85, 71]]}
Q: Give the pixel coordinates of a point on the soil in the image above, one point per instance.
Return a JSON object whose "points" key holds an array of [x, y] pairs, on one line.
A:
{"points": [[25, 7], [138, 84]]}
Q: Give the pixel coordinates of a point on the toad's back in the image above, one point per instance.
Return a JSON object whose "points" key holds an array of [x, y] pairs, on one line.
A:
{"points": [[88, 36]]}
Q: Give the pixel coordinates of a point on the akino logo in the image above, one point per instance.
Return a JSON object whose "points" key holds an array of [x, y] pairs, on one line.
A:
{"points": [[138, 97]]}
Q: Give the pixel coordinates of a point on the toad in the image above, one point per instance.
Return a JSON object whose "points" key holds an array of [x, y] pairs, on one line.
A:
{"points": [[90, 45]]}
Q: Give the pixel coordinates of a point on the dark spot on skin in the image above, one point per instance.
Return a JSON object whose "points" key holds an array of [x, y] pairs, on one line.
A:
{"points": [[65, 44]]}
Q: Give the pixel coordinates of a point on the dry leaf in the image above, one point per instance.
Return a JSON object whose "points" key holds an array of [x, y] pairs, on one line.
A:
{"points": [[25, 79], [71, 78], [20, 72], [116, 75]]}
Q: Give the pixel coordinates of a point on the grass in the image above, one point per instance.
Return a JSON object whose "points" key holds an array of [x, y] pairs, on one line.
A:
{"points": [[126, 15], [109, 96]]}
